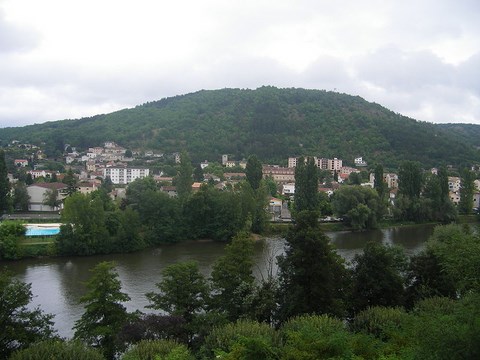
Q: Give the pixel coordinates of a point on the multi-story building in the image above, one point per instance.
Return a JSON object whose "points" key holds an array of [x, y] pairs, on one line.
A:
{"points": [[280, 175], [125, 175], [334, 164]]}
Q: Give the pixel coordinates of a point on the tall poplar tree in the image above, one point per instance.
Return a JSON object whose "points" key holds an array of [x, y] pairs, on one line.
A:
{"points": [[184, 179], [467, 187], [306, 185], [253, 172], [4, 184]]}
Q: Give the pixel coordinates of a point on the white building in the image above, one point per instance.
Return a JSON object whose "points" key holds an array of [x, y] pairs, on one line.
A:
{"points": [[334, 164], [125, 175], [38, 193]]}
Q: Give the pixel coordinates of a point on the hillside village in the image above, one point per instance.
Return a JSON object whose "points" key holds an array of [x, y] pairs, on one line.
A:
{"points": [[122, 166]]}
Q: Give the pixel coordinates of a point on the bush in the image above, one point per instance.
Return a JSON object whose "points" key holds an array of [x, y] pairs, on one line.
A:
{"points": [[57, 349]]}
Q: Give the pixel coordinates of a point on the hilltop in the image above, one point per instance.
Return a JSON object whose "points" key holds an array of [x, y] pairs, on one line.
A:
{"points": [[269, 122]]}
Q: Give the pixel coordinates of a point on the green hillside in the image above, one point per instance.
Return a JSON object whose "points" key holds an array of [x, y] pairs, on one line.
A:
{"points": [[269, 122]]}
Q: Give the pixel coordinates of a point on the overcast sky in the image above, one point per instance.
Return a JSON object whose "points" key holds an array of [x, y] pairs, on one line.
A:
{"points": [[66, 59]]}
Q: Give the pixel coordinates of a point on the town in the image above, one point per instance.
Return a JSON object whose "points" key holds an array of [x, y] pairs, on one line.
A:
{"points": [[120, 166]]}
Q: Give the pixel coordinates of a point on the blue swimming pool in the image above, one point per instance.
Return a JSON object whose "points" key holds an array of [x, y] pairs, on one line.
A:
{"points": [[42, 231]]}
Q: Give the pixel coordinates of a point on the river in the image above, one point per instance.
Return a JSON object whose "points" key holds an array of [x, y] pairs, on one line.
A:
{"points": [[58, 283]]}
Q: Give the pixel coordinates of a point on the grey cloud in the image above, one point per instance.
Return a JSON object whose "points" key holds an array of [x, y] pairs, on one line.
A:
{"points": [[396, 70], [14, 38]]}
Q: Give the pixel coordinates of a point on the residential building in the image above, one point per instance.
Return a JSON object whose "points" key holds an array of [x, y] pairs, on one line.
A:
{"points": [[292, 162], [230, 164], [38, 193], [21, 162], [204, 164], [360, 162], [334, 164], [224, 159], [454, 183], [125, 175], [288, 189], [279, 174]]}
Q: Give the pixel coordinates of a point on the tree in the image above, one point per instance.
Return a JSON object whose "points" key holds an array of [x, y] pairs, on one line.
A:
{"points": [[57, 349], [378, 277], [4, 184], [198, 174], [19, 325], [158, 349], [410, 179], [84, 231], [232, 278], [183, 291], [306, 185], [21, 198], [253, 172], [466, 191], [184, 179], [312, 276], [104, 313], [71, 181], [51, 198], [360, 206], [10, 235], [379, 184]]}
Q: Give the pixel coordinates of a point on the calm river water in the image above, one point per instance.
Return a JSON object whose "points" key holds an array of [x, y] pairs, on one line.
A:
{"points": [[58, 283]]}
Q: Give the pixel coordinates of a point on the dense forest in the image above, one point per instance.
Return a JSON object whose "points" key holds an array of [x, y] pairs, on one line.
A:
{"points": [[269, 122]]}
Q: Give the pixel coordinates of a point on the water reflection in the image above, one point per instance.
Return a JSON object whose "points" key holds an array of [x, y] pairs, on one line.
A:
{"points": [[58, 283]]}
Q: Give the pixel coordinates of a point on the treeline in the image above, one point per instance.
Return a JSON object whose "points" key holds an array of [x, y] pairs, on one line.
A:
{"points": [[381, 306], [270, 122]]}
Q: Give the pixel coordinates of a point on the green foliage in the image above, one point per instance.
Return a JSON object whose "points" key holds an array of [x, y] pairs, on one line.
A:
{"points": [[71, 181], [57, 349], [458, 252], [84, 231], [377, 276], [20, 197], [306, 185], [4, 184], [20, 326], [232, 278], [183, 291], [313, 278], [158, 350], [269, 122], [447, 330], [253, 171], [360, 206], [243, 339], [214, 214], [410, 179], [467, 188], [315, 337], [51, 198], [184, 178], [104, 313], [426, 278], [11, 233]]}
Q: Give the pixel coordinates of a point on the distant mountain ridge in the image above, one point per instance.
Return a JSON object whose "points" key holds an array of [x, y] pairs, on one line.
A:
{"points": [[269, 122]]}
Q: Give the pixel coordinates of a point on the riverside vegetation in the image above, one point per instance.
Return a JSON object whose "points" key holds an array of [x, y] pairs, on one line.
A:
{"points": [[381, 306]]}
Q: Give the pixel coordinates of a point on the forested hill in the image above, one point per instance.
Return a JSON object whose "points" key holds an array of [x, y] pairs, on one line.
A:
{"points": [[269, 122]]}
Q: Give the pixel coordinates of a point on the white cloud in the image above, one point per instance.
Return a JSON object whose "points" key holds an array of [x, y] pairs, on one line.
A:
{"points": [[68, 59]]}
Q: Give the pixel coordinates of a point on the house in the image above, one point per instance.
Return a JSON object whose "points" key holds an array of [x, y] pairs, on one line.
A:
{"points": [[196, 186], [243, 164], [275, 206], [41, 173], [230, 164], [39, 191], [204, 164], [21, 162], [87, 187]]}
